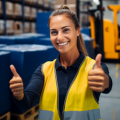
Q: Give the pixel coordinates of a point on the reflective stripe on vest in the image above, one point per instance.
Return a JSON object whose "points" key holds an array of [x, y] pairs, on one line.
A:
{"points": [[79, 103], [72, 115]]}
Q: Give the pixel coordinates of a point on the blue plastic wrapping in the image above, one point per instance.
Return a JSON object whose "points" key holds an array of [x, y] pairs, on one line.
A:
{"points": [[86, 31], [9, 40], [42, 23], [27, 38], [2, 45], [26, 59], [5, 92], [89, 45], [43, 41]]}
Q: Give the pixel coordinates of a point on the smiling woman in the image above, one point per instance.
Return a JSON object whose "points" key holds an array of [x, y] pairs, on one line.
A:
{"points": [[69, 86]]}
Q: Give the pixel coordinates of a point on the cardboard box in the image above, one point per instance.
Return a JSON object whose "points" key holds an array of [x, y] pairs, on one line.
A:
{"points": [[52, 4], [59, 2], [33, 27], [10, 26], [33, 12], [27, 27], [71, 1], [18, 28], [27, 11], [17, 10], [40, 10], [1, 8], [34, 1], [9, 8], [40, 2], [1, 26], [46, 3]]}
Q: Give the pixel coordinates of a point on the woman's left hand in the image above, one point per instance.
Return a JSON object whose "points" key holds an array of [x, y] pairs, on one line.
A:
{"points": [[97, 79]]}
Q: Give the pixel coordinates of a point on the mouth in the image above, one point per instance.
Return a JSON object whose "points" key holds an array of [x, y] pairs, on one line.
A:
{"points": [[61, 44]]}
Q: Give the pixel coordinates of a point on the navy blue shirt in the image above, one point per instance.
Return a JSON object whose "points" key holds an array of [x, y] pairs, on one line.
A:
{"points": [[64, 79]]}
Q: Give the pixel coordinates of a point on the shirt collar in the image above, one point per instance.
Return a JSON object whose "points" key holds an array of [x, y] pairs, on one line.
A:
{"points": [[75, 65]]}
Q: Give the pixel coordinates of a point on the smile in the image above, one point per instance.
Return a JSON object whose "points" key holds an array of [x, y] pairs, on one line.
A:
{"points": [[63, 43]]}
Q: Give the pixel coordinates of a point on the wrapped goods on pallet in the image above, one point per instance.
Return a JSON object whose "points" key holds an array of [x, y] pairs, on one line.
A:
{"points": [[33, 27], [34, 1], [27, 11], [72, 7], [5, 92], [18, 28], [1, 26], [59, 2], [17, 9], [2, 45], [26, 59], [71, 1], [40, 10], [40, 2], [10, 27], [27, 0], [41, 23], [89, 45], [27, 27], [9, 8], [9, 40], [33, 12], [1, 8], [46, 3], [52, 5]]}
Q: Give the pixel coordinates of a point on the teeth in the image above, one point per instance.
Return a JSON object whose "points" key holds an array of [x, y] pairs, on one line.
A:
{"points": [[63, 43]]}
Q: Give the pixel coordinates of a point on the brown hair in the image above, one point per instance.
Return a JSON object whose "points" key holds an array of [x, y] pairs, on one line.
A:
{"points": [[64, 9]]}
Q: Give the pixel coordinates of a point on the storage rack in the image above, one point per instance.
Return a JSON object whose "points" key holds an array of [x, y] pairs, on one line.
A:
{"points": [[22, 19]]}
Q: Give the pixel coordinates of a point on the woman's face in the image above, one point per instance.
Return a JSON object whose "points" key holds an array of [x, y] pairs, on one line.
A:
{"points": [[63, 33]]}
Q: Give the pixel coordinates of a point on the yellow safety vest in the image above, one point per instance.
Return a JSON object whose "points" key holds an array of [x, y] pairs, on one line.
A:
{"points": [[80, 103]]}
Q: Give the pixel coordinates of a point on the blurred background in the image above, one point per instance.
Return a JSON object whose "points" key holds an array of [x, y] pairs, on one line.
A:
{"points": [[25, 42]]}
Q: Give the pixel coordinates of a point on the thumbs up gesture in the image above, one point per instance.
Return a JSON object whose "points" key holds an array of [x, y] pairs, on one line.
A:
{"points": [[16, 84], [97, 79]]}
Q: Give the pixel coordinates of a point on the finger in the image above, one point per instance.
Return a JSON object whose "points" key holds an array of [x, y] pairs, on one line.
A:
{"points": [[17, 93], [14, 71], [97, 89], [96, 72], [17, 90], [15, 80], [95, 84], [98, 61], [17, 85], [96, 78]]}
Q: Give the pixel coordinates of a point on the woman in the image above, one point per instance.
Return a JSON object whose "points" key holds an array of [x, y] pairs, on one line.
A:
{"points": [[70, 85]]}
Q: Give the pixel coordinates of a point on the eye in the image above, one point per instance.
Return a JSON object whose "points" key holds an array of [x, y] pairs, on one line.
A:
{"points": [[65, 30], [54, 32]]}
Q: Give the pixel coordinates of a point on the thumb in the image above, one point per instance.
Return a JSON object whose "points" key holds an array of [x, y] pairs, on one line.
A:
{"points": [[98, 61], [13, 70]]}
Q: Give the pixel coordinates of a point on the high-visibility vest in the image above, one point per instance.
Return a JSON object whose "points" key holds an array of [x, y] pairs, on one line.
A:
{"points": [[79, 103]]}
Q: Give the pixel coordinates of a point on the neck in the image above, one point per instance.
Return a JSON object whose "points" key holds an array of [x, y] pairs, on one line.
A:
{"points": [[69, 58]]}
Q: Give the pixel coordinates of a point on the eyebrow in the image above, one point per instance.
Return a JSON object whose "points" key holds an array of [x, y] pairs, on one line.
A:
{"points": [[61, 28]]}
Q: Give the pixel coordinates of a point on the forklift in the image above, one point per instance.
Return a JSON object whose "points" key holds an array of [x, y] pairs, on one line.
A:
{"points": [[104, 32]]}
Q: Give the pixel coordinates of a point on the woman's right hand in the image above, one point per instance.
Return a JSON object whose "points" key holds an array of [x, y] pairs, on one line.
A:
{"points": [[16, 84]]}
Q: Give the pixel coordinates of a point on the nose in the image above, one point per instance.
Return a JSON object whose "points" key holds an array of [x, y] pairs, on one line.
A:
{"points": [[60, 36]]}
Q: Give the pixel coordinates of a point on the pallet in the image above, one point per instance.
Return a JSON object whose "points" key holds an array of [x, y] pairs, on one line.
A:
{"points": [[5, 116], [31, 114]]}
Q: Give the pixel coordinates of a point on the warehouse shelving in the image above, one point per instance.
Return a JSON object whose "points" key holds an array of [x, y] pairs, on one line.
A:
{"points": [[21, 18]]}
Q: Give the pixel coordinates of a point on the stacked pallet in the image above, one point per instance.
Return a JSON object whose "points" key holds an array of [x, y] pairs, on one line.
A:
{"points": [[31, 114], [5, 116]]}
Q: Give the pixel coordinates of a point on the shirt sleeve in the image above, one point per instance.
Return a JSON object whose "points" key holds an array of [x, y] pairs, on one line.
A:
{"points": [[97, 94], [32, 91]]}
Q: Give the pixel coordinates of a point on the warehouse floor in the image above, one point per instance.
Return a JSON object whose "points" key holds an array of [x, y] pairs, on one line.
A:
{"points": [[110, 103]]}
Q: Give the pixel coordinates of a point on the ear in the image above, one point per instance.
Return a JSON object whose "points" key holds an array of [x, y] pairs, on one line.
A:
{"points": [[78, 31]]}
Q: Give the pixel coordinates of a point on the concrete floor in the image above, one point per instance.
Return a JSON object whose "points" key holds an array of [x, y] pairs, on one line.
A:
{"points": [[110, 103]]}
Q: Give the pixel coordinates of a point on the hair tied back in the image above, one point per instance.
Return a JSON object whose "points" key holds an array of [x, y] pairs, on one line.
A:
{"points": [[64, 7]]}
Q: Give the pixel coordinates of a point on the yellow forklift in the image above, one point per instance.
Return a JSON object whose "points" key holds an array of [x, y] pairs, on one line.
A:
{"points": [[104, 32]]}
